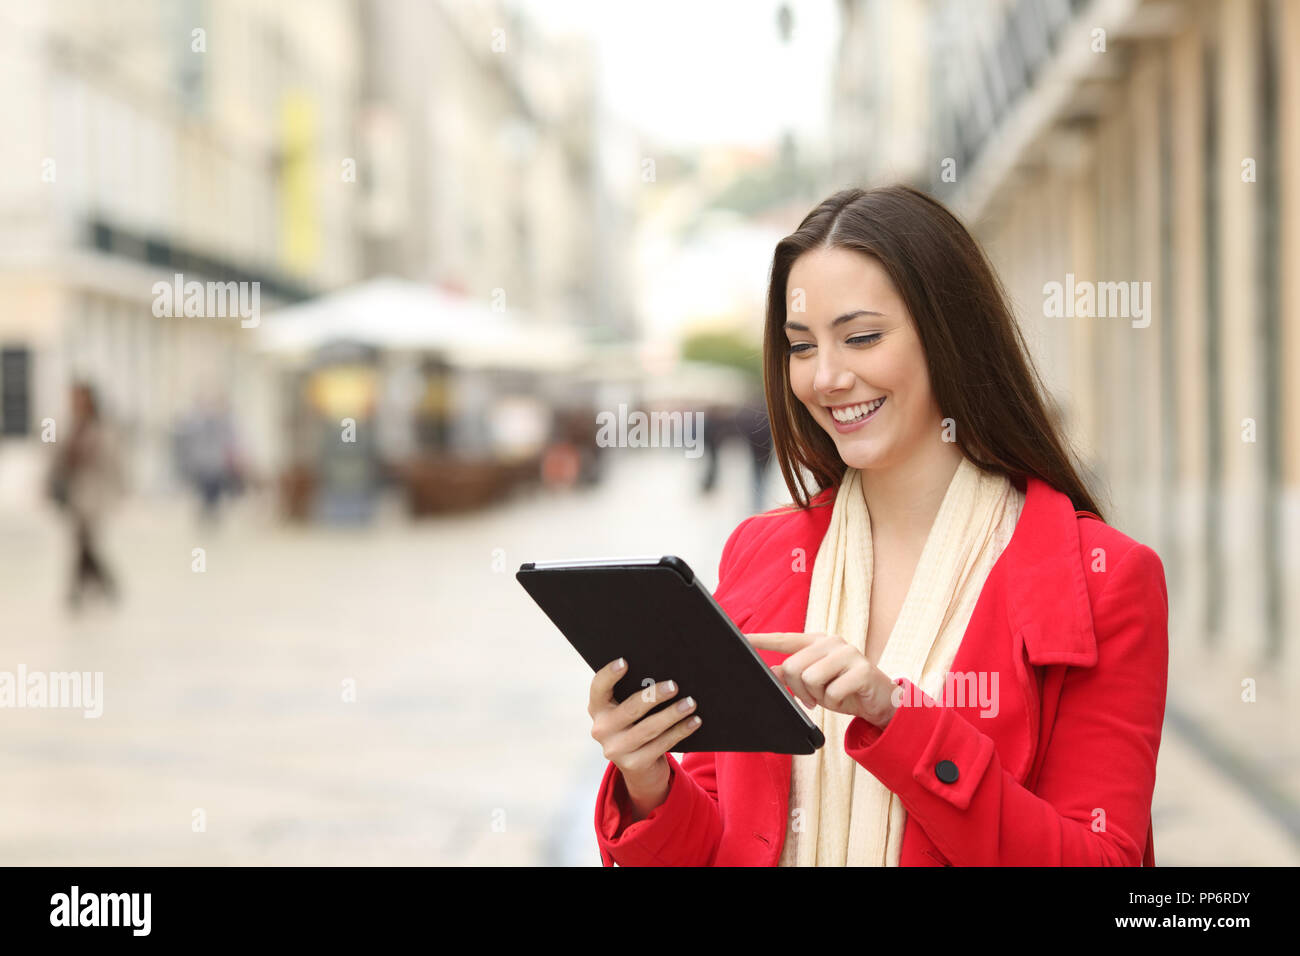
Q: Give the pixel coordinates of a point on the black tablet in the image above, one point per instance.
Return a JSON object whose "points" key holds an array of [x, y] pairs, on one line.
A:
{"points": [[654, 612]]}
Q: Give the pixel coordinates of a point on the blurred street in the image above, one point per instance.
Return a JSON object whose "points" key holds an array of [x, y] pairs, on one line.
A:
{"points": [[223, 689]]}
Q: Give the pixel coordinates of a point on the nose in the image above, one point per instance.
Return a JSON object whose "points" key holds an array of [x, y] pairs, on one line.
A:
{"points": [[832, 376]]}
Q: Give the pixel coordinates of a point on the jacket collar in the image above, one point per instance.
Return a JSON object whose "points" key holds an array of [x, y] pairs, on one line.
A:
{"points": [[1047, 594], [1043, 576]]}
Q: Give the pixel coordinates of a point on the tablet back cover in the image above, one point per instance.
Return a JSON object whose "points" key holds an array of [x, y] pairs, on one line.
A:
{"points": [[669, 627]]}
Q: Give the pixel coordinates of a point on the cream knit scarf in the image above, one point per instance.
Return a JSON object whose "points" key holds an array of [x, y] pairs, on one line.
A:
{"points": [[849, 818]]}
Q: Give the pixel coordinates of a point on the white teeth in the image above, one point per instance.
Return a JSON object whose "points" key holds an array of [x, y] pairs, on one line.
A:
{"points": [[854, 412]]}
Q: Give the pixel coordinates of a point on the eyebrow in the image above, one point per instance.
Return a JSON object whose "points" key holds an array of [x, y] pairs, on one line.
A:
{"points": [[798, 327]]}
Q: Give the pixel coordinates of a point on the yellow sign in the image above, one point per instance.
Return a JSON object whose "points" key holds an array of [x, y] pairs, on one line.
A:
{"points": [[299, 202], [342, 391]]}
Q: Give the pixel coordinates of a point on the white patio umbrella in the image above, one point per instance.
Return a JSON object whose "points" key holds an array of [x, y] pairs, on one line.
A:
{"points": [[397, 314]]}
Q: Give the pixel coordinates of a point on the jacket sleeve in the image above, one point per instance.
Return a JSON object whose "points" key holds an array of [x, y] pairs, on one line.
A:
{"points": [[1092, 802], [684, 830]]}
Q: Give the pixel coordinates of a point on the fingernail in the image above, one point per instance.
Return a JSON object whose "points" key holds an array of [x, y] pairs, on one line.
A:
{"points": [[670, 687], [685, 705], [620, 664]]}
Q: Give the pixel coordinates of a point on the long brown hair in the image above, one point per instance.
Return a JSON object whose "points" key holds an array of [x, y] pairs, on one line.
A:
{"points": [[979, 364]]}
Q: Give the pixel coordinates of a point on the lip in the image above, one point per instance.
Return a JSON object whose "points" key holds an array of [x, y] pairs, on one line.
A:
{"points": [[864, 401], [855, 425]]}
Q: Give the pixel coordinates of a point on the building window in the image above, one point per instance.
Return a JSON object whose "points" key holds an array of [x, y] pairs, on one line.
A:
{"points": [[15, 391]]}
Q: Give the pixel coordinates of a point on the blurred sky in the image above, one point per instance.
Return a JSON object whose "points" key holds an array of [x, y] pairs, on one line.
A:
{"points": [[698, 72]]}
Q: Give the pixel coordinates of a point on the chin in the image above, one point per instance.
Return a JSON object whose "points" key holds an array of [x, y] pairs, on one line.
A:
{"points": [[864, 459]]}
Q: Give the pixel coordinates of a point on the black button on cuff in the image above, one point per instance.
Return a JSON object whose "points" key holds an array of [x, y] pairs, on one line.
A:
{"points": [[946, 771]]}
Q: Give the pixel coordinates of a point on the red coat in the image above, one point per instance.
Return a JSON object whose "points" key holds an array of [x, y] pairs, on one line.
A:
{"points": [[1074, 619]]}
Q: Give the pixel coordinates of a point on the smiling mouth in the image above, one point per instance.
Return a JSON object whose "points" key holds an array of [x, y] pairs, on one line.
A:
{"points": [[855, 413]]}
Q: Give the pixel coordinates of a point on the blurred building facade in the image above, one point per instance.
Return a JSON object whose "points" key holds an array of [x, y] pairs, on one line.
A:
{"points": [[1138, 142], [299, 146], [482, 136], [148, 139]]}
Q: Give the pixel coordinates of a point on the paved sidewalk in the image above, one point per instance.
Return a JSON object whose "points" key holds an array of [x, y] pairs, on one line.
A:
{"points": [[1228, 777], [224, 689]]}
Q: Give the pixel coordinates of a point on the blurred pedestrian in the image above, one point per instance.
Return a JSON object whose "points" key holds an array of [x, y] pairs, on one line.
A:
{"points": [[752, 425], [209, 454], [719, 425], [85, 481]]}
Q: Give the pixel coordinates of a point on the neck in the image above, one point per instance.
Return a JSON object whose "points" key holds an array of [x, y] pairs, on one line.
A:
{"points": [[903, 500]]}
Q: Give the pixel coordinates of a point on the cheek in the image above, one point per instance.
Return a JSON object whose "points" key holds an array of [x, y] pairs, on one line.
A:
{"points": [[908, 384], [800, 382]]}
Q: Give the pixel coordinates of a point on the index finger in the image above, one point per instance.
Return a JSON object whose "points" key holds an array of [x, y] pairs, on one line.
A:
{"points": [[602, 686], [781, 642]]}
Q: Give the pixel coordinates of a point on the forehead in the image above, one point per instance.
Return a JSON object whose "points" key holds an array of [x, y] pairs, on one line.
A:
{"points": [[841, 278]]}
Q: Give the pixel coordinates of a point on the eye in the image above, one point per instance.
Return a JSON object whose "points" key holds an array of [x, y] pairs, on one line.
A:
{"points": [[800, 347]]}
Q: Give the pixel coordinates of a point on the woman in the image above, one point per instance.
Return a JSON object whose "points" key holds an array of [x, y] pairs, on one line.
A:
{"points": [[86, 480], [985, 656]]}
